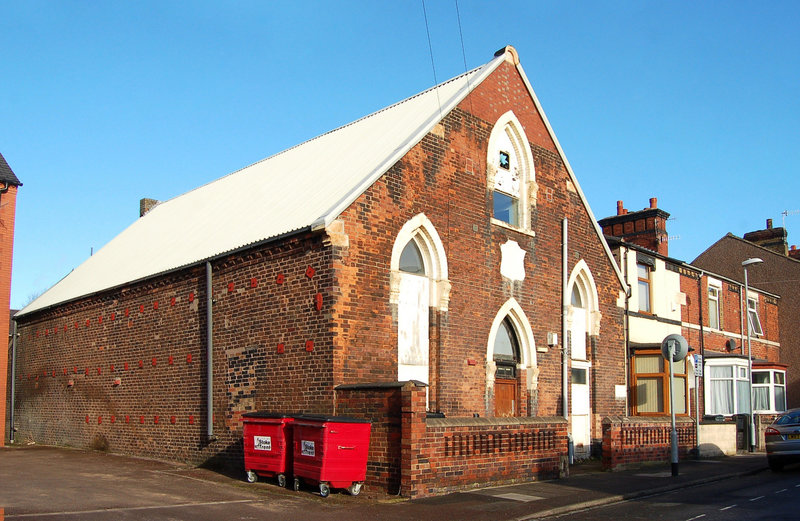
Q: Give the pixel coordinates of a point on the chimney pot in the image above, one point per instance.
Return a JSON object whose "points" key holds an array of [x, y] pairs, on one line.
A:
{"points": [[794, 247], [653, 202], [620, 209], [769, 224]]}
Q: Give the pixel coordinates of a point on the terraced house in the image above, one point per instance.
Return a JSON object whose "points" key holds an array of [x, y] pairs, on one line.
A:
{"points": [[712, 386], [421, 267]]}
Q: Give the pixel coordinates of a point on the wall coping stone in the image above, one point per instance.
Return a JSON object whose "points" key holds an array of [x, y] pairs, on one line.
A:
{"points": [[645, 419], [474, 422], [379, 385]]}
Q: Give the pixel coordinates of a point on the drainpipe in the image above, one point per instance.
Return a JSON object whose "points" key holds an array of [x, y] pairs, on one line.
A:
{"points": [[13, 377], [209, 356], [624, 252], [703, 361], [564, 343]]}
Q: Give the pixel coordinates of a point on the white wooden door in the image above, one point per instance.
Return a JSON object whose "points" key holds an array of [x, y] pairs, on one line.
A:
{"points": [[580, 419], [412, 328]]}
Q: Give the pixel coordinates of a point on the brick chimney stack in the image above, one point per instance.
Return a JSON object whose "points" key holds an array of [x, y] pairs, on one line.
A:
{"points": [[646, 228], [145, 205], [794, 252], [771, 238]]}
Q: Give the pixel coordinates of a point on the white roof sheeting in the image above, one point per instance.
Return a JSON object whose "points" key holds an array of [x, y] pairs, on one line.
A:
{"points": [[308, 185]]}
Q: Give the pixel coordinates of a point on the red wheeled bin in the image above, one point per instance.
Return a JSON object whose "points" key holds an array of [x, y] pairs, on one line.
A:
{"points": [[330, 451], [267, 445]]}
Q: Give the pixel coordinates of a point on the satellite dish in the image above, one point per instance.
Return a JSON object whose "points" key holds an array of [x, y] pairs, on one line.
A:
{"points": [[731, 344], [677, 344]]}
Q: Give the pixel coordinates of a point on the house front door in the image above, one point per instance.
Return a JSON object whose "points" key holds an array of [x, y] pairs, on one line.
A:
{"points": [[580, 419], [505, 398]]}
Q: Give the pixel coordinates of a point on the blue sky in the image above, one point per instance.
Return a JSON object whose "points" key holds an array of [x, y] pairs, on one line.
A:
{"points": [[103, 103]]}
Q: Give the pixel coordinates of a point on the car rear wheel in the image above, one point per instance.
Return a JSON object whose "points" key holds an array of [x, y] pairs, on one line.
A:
{"points": [[775, 464]]}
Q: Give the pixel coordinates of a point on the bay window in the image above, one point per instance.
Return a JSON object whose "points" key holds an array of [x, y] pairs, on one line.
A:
{"points": [[727, 388], [769, 391]]}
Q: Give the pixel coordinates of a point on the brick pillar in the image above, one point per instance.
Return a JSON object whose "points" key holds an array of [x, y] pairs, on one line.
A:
{"points": [[8, 202], [413, 435]]}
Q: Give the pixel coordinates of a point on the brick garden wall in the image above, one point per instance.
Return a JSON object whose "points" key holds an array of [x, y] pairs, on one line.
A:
{"points": [[417, 456], [383, 405], [635, 440]]}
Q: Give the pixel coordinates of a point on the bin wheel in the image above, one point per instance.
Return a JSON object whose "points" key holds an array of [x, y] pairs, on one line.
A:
{"points": [[252, 477], [355, 489], [296, 485], [324, 490], [281, 480]]}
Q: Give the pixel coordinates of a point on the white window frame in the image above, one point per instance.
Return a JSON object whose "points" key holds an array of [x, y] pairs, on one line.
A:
{"points": [[715, 286], [771, 387], [642, 281], [738, 379], [508, 136], [753, 319]]}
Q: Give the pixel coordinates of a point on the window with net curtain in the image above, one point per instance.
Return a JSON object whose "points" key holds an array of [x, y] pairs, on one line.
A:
{"points": [[769, 391], [651, 384], [643, 272], [713, 307], [728, 389]]}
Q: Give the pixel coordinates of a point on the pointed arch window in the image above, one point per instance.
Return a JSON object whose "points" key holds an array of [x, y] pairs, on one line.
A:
{"points": [[506, 350], [418, 281], [577, 299], [511, 173], [411, 259]]}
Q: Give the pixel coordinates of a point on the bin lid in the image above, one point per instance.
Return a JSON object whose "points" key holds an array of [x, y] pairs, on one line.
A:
{"points": [[270, 414], [322, 418]]}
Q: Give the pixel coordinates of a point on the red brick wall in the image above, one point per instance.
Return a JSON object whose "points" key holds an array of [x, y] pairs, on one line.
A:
{"points": [[730, 316], [715, 340], [152, 336], [383, 405], [265, 311], [419, 457], [444, 177], [7, 215], [634, 440]]}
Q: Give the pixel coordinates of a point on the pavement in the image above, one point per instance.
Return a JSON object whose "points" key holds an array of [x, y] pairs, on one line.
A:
{"points": [[59, 483]]}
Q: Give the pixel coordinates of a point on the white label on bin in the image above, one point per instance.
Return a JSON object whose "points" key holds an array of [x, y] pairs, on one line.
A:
{"points": [[307, 448], [262, 443]]}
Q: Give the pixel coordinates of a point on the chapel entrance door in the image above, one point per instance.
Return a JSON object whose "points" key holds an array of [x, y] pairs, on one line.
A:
{"points": [[505, 398]]}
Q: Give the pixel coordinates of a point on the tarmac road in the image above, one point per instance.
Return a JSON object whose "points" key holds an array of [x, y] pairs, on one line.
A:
{"points": [[51, 483]]}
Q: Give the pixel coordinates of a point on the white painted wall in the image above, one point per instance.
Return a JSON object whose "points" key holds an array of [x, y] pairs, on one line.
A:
{"points": [[666, 301]]}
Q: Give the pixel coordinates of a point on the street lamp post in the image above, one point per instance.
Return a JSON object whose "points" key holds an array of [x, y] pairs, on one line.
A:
{"points": [[751, 424]]}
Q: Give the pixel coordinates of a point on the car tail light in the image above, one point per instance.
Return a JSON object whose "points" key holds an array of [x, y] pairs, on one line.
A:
{"points": [[771, 431]]}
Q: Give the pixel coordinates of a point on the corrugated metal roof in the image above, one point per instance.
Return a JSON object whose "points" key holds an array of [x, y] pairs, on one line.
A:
{"points": [[306, 186]]}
